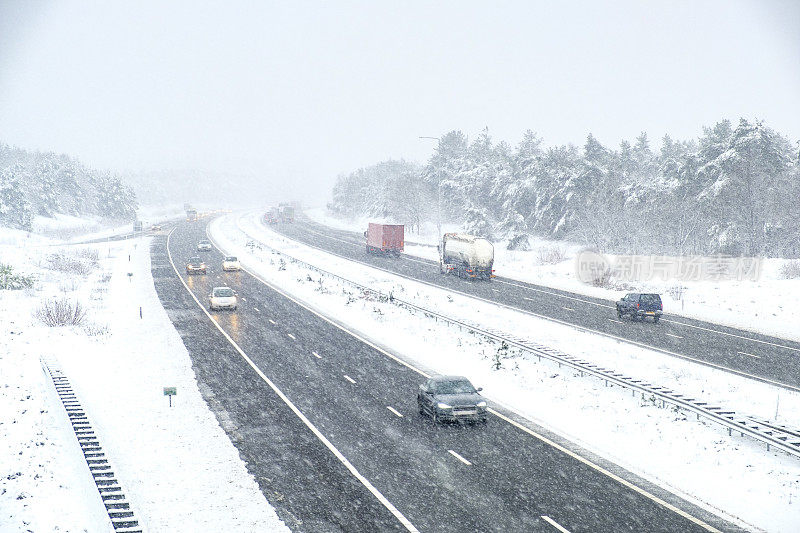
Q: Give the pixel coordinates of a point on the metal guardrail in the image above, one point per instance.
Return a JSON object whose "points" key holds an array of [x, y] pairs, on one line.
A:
{"points": [[777, 436], [118, 509]]}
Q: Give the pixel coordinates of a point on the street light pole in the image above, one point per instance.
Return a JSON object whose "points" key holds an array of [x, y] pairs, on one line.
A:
{"points": [[438, 197]]}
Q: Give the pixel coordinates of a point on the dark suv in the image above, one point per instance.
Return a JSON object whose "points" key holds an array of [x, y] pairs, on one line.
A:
{"points": [[451, 398], [639, 306]]}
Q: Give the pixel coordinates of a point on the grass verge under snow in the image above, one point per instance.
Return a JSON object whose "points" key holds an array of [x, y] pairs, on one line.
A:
{"points": [[176, 465]]}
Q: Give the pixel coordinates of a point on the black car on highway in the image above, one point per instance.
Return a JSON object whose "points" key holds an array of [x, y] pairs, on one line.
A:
{"points": [[640, 305], [451, 398]]}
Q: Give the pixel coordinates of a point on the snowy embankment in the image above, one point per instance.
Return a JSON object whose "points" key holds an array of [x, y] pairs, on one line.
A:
{"points": [[177, 467], [672, 448], [764, 306]]}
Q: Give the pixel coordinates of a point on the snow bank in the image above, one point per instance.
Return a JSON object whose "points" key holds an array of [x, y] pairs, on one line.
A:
{"points": [[176, 465]]}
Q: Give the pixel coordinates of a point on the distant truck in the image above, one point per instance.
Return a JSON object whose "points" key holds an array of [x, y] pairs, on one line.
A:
{"points": [[272, 216], [286, 213], [466, 256], [385, 238], [191, 214]]}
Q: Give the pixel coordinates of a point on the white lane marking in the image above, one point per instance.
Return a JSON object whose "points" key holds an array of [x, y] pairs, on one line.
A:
{"points": [[617, 321], [576, 326], [568, 308], [671, 335], [607, 306], [555, 524], [348, 378], [750, 355], [318, 356], [454, 454], [491, 410], [244, 300], [328, 444], [272, 321], [529, 299], [392, 409], [602, 470], [256, 308], [495, 290], [291, 336]]}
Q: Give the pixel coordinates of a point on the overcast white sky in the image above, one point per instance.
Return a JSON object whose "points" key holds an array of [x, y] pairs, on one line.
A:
{"points": [[301, 91]]}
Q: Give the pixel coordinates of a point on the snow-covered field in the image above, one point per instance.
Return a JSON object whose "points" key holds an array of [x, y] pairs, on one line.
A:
{"points": [[731, 474], [177, 467], [765, 306]]}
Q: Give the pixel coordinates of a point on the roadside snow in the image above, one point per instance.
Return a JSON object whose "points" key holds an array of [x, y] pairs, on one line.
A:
{"points": [[764, 306], [176, 465], [675, 450]]}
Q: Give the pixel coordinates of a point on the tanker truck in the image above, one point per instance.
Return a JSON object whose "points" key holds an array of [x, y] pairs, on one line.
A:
{"points": [[466, 256]]}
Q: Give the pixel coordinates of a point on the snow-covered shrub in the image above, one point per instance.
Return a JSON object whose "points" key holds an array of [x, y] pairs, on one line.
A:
{"points": [[791, 269], [519, 242], [55, 313], [93, 329], [551, 255], [602, 279], [62, 262], [11, 281]]}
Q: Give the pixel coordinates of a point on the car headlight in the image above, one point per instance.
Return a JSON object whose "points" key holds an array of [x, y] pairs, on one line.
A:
{"points": [[442, 405], [481, 404]]}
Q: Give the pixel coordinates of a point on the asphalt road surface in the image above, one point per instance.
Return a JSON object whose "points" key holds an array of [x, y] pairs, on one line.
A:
{"points": [[746, 353], [351, 453]]}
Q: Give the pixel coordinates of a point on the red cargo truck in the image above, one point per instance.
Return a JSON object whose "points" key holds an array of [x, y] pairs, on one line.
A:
{"points": [[385, 238]]}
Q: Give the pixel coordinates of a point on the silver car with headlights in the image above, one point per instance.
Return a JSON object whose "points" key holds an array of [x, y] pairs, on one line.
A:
{"points": [[222, 298], [451, 398]]}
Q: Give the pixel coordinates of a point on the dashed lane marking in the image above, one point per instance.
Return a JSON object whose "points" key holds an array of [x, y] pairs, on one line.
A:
{"points": [[454, 454], [272, 321], [672, 335], [291, 336], [750, 355], [348, 378], [392, 409], [555, 524], [318, 356]]}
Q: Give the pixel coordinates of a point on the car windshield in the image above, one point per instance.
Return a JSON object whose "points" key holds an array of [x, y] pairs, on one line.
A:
{"points": [[230, 258], [194, 260], [223, 292], [460, 386]]}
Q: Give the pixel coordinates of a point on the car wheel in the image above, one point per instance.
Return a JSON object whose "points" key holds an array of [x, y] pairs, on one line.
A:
{"points": [[434, 416], [619, 313], [655, 320], [420, 408]]}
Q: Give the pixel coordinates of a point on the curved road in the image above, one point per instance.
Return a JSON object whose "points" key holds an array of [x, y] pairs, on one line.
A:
{"points": [[762, 357], [327, 424]]}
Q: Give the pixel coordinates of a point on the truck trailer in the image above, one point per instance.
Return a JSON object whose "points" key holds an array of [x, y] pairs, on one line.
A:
{"points": [[466, 256], [286, 213], [272, 215], [385, 238]]}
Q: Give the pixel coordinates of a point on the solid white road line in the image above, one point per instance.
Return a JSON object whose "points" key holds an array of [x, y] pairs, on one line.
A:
{"points": [[392, 409], [291, 336], [671, 335], [328, 444], [318, 356], [348, 378], [605, 472], [750, 355], [555, 524], [576, 326], [454, 454], [558, 295], [492, 411]]}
